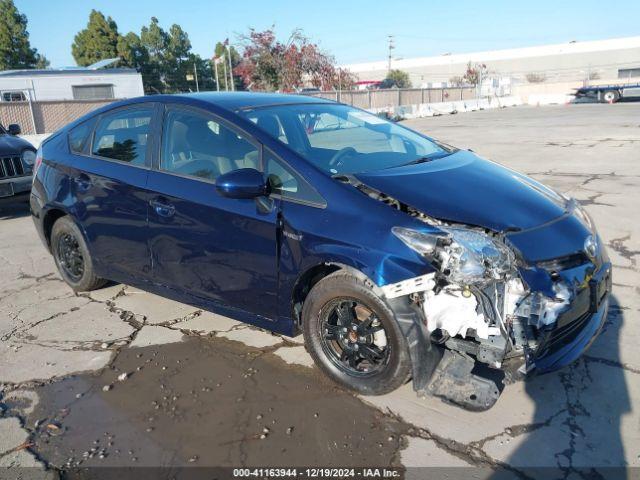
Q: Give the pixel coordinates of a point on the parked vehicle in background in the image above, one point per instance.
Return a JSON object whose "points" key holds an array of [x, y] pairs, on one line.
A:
{"points": [[17, 157], [395, 255], [609, 93]]}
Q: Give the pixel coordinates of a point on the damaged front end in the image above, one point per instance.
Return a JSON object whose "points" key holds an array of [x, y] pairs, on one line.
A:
{"points": [[491, 315]]}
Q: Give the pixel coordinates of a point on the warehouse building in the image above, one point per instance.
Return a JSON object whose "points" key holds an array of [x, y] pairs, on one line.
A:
{"points": [[614, 59]]}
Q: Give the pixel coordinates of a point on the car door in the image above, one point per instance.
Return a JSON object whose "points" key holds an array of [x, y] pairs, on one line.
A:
{"points": [[202, 243], [108, 181]]}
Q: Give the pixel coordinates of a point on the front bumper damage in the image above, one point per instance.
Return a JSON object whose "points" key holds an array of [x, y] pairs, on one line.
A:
{"points": [[468, 341]]}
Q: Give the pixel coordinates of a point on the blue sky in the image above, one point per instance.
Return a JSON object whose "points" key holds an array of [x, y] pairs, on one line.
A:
{"points": [[351, 30]]}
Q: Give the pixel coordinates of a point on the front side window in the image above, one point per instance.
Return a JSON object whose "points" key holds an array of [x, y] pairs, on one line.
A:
{"points": [[197, 145], [123, 135], [289, 184], [341, 139]]}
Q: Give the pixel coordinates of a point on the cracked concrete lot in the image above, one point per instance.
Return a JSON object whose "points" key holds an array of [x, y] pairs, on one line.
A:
{"points": [[120, 376]]}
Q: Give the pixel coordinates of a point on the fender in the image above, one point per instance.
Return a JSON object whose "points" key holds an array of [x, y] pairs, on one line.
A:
{"points": [[67, 212], [425, 356]]}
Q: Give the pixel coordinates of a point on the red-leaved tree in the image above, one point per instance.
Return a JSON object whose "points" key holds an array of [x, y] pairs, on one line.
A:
{"points": [[269, 64]]}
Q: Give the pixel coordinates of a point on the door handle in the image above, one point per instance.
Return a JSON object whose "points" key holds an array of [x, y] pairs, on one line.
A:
{"points": [[163, 208]]}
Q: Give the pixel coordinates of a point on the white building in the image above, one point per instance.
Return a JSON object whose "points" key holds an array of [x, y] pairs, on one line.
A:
{"points": [[69, 84], [603, 59]]}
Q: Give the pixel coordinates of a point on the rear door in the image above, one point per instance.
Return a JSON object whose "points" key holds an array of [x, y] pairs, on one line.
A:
{"points": [[202, 243], [108, 183]]}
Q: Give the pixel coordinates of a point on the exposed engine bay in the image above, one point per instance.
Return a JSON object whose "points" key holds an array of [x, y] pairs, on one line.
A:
{"points": [[476, 305]]}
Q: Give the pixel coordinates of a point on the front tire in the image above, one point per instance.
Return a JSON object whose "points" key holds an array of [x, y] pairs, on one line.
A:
{"points": [[72, 256], [353, 336]]}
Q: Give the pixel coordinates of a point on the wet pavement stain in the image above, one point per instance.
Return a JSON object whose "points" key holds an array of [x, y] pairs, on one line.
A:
{"points": [[208, 402]]}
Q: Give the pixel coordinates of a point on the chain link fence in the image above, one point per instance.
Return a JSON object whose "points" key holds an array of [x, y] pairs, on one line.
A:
{"points": [[374, 99]]}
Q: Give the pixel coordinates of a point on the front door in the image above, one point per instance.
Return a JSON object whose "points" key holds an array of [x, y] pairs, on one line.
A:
{"points": [[202, 243]]}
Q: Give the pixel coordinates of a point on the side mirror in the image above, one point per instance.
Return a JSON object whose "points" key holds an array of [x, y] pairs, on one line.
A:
{"points": [[242, 183], [14, 129]]}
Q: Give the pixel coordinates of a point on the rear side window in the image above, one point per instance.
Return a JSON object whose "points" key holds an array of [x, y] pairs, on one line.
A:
{"points": [[80, 136], [288, 183], [123, 135]]}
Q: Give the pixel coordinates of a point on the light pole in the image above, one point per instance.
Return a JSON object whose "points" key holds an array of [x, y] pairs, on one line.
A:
{"points": [[391, 48], [230, 68], [224, 69], [215, 69]]}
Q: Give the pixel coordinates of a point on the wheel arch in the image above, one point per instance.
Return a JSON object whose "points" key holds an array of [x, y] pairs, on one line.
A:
{"points": [[53, 214], [311, 276], [49, 219], [374, 268], [423, 354]]}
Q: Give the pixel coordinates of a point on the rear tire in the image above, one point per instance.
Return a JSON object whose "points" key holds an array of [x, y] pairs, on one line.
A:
{"points": [[72, 256], [610, 96], [354, 353]]}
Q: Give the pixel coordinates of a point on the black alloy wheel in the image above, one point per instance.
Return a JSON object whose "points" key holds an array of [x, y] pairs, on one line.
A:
{"points": [[70, 256], [353, 337]]}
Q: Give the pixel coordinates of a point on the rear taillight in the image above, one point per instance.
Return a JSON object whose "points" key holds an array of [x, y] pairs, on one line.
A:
{"points": [[37, 162]]}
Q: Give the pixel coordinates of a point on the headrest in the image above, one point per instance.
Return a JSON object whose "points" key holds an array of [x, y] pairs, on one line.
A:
{"points": [[270, 124]]}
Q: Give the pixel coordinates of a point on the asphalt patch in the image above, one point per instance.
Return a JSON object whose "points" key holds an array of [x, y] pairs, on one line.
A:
{"points": [[207, 402]]}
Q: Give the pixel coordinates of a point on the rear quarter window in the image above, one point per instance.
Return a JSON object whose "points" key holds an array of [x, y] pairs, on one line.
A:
{"points": [[80, 136]]}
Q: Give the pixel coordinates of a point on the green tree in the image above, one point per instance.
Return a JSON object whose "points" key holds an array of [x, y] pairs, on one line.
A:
{"points": [[132, 52], [98, 41], [42, 62], [154, 40], [396, 79], [178, 60], [206, 75], [15, 49], [168, 59]]}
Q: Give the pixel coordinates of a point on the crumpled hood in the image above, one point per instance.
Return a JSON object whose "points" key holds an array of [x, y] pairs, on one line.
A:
{"points": [[10, 145], [465, 188]]}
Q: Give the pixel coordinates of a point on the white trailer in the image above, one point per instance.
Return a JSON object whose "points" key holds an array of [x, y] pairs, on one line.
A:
{"points": [[69, 84]]}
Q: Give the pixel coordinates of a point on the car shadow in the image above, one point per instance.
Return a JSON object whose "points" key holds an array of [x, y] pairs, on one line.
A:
{"points": [[14, 207], [576, 427]]}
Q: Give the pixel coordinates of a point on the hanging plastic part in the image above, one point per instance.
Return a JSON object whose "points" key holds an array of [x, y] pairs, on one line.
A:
{"points": [[453, 381]]}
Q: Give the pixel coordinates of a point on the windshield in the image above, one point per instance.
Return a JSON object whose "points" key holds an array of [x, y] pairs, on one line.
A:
{"points": [[340, 139]]}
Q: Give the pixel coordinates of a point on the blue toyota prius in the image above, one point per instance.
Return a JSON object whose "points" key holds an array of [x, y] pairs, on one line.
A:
{"points": [[397, 256]]}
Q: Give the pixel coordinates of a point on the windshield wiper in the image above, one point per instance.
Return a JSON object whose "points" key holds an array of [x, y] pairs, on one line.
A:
{"points": [[427, 158]]}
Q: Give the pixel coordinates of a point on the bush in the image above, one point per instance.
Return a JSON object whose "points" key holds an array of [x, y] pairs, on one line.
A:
{"points": [[536, 77], [397, 79]]}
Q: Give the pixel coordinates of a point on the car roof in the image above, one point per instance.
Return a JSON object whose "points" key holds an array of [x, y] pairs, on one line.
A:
{"points": [[234, 101]]}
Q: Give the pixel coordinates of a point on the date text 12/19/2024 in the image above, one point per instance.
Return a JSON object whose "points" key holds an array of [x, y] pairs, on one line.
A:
{"points": [[317, 472]]}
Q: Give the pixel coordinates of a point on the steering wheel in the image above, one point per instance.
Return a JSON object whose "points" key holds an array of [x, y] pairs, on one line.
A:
{"points": [[336, 160]]}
